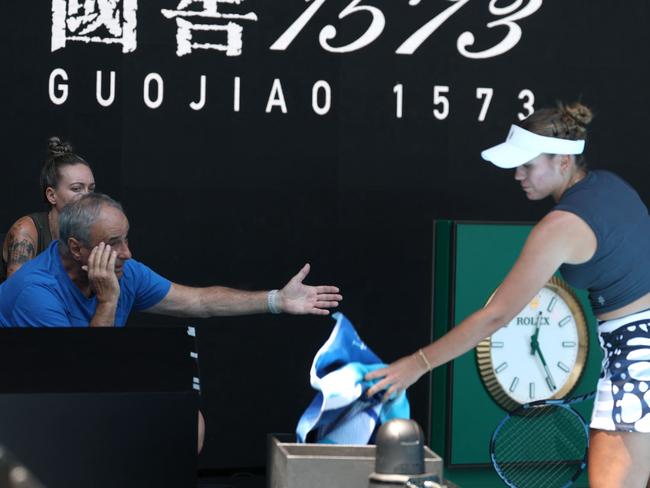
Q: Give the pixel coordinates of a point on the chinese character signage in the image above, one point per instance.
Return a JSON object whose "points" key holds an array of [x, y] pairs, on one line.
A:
{"points": [[227, 25], [94, 21]]}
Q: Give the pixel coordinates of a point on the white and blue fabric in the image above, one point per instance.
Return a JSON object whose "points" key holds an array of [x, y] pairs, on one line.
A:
{"points": [[341, 413], [623, 399]]}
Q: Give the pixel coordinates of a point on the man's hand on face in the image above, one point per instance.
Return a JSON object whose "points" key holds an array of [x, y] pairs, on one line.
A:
{"points": [[101, 273]]}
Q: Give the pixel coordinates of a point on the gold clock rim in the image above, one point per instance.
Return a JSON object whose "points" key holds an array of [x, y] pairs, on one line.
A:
{"points": [[484, 359]]}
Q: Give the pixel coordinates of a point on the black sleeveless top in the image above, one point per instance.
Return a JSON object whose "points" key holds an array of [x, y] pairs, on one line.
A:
{"points": [[619, 271], [43, 239]]}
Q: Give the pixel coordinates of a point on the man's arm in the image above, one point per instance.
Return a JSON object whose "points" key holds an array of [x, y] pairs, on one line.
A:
{"points": [[294, 298]]}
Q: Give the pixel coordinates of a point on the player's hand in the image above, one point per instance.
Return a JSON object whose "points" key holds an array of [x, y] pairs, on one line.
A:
{"points": [[396, 377], [298, 298], [101, 273]]}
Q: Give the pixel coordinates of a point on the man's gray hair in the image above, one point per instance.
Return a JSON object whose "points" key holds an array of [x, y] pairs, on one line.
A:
{"points": [[78, 216]]}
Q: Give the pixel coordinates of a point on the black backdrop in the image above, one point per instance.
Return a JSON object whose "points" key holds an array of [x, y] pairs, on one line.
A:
{"points": [[244, 198]]}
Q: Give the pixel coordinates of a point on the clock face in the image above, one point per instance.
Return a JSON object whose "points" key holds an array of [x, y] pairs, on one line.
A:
{"points": [[540, 354]]}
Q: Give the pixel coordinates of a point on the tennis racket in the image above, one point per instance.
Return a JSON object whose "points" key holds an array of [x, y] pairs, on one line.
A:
{"points": [[541, 444]]}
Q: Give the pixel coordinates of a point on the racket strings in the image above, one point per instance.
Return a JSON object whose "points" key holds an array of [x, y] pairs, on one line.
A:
{"points": [[542, 447], [540, 453], [529, 433], [534, 457], [539, 428], [536, 470]]}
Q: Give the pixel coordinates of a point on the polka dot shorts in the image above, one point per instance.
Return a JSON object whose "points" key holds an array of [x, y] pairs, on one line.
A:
{"points": [[623, 397]]}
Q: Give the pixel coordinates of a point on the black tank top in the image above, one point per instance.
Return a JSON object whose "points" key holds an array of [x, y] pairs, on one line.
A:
{"points": [[43, 238], [619, 271]]}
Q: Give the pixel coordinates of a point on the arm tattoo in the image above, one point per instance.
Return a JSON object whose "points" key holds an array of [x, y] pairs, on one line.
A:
{"points": [[19, 252]]}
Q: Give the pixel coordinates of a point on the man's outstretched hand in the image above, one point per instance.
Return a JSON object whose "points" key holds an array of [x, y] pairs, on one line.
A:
{"points": [[298, 298]]}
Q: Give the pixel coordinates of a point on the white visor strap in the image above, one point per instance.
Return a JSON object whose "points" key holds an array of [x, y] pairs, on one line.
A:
{"points": [[529, 141]]}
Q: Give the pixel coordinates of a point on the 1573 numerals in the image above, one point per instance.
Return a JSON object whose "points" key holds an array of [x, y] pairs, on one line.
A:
{"points": [[442, 105], [508, 17]]}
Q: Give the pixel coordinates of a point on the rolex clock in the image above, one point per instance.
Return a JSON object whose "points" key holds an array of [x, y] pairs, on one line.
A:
{"points": [[540, 353]]}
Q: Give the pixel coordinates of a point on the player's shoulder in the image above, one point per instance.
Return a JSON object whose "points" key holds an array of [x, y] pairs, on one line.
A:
{"points": [[558, 219], [559, 228]]}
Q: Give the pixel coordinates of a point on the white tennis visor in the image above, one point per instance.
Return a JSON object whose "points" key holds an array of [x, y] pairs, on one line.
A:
{"points": [[522, 145]]}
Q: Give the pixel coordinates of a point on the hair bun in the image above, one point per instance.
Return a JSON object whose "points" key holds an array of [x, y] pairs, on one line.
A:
{"points": [[56, 147], [580, 113]]}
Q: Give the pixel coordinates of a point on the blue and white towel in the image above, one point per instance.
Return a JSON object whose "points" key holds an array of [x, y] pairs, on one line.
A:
{"points": [[341, 413]]}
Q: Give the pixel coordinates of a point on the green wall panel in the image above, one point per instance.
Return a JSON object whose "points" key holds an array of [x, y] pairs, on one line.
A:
{"points": [[442, 265]]}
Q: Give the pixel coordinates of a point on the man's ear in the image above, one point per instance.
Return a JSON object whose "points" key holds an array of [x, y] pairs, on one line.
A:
{"points": [[74, 246]]}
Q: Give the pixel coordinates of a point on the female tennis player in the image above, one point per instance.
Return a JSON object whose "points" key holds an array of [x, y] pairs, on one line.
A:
{"points": [[598, 236]]}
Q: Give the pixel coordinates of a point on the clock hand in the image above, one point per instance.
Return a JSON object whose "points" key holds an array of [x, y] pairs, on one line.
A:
{"points": [[533, 339], [534, 343], [549, 377]]}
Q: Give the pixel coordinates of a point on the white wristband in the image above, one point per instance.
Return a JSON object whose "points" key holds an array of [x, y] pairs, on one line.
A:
{"points": [[271, 301]]}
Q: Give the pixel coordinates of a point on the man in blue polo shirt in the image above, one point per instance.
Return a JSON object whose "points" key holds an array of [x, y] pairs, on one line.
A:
{"points": [[88, 278]]}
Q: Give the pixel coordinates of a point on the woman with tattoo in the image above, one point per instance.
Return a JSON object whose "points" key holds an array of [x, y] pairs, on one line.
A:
{"points": [[64, 177]]}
